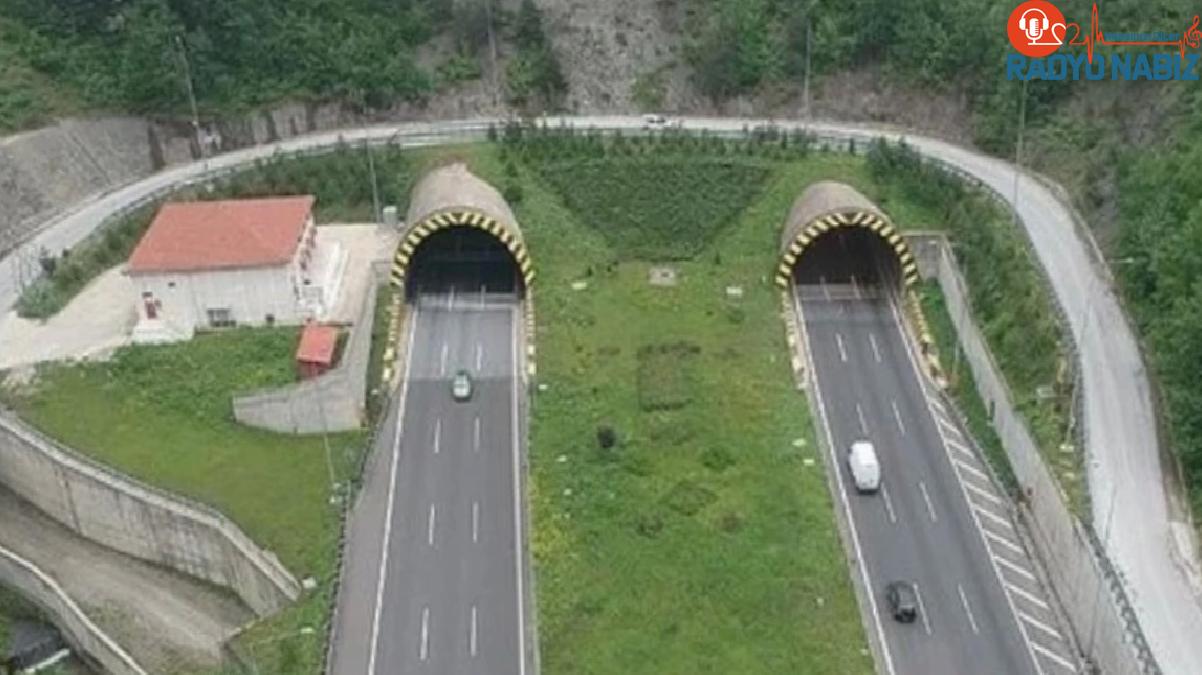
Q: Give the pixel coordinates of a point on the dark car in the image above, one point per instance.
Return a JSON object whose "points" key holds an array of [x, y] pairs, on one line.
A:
{"points": [[903, 601]]}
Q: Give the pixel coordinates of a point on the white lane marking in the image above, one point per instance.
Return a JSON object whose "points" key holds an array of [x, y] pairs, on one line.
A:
{"points": [[1054, 657], [855, 288], [918, 375], [475, 521], [472, 636], [842, 349], [476, 435], [1040, 625], [951, 428], [922, 609], [994, 518], [424, 648], [987, 494], [517, 500], [479, 356], [972, 621], [1014, 567], [876, 350], [382, 579], [437, 435], [922, 487], [483, 291], [451, 300], [934, 401], [972, 469], [825, 291], [442, 360], [430, 527], [897, 416], [1004, 542], [851, 520], [888, 504], [1026, 596], [863, 422], [958, 447]]}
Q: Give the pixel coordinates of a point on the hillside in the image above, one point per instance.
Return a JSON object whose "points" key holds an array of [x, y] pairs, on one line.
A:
{"points": [[1127, 152]]}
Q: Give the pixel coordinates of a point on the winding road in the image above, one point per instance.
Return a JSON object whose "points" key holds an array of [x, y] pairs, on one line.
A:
{"points": [[1122, 446]]}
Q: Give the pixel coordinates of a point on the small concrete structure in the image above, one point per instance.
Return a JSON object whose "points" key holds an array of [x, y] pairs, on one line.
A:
{"points": [[827, 205], [451, 196], [236, 262]]}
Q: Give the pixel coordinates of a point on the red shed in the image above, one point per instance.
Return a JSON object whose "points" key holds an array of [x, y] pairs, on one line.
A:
{"points": [[315, 354]]}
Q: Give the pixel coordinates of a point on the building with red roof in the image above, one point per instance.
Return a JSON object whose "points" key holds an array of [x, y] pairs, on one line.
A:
{"points": [[212, 264]]}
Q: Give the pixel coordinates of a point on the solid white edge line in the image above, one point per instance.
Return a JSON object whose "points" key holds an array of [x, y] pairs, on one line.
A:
{"points": [[922, 609], [382, 579], [907, 347], [517, 499], [972, 621], [851, 519]]}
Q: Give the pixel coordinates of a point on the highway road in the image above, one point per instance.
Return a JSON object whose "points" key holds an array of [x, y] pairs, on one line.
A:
{"points": [[938, 520], [1125, 473], [433, 580]]}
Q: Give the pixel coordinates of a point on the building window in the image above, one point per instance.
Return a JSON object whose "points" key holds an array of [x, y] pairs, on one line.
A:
{"points": [[270, 319], [170, 284], [220, 318]]}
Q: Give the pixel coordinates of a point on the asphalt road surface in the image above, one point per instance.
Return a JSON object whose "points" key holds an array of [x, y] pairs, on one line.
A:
{"points": [[444, 596], [981, 607], [1120, 426]]}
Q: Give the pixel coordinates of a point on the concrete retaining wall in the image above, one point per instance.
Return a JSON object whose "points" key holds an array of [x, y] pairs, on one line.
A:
{"points": [[123, 514], [43, 170], [1080, 575], [84, 636], [335, 401]]}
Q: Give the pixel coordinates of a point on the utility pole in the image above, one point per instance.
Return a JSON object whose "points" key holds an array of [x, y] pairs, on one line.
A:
{"points": [[805, 95], [183, 53], [492, 49], [375, 189]]}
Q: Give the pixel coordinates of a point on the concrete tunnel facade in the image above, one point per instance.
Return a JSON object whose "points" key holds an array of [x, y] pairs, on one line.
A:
{"points": [[451, 196], [828, 205]]}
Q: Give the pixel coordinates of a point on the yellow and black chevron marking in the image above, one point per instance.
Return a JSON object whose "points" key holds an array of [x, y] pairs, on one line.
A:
{"points": [[824, 224], [443, 220]]}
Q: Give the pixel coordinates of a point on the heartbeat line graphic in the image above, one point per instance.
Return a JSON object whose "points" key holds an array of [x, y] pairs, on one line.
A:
{"points": [[1191, 38]]}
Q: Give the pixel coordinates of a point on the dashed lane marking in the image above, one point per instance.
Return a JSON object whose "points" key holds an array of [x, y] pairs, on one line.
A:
{"points": [[842, 349], [972, 622]]}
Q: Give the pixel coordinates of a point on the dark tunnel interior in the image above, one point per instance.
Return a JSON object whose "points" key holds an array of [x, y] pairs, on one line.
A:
{"points": [[846, 256], [462, 259]]}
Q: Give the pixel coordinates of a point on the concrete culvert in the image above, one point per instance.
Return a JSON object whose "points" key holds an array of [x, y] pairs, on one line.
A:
{"points": [[835, 233], [460, 232]]}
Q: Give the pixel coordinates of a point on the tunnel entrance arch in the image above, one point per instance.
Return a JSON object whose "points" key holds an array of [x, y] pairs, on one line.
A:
{"points": [[830, 207], [457, 219]]}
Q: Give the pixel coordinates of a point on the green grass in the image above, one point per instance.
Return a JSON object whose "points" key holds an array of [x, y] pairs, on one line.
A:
{"points": [[703, 541], [162, 414]]}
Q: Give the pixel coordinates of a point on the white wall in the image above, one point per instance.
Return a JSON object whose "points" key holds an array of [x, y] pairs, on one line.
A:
{"points": [[249, 293]]}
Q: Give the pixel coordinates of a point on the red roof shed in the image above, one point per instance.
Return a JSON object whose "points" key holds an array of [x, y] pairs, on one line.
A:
{"points": [[315, 354]]}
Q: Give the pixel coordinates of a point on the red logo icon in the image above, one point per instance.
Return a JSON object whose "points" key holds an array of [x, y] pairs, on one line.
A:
{"points": [[1036, 28]]}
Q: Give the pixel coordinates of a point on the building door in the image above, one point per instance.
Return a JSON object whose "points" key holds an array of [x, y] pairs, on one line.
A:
{"points": [[152, 310]]}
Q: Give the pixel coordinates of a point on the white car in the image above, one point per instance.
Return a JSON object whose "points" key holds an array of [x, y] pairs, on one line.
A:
{"points": [[659, 122], [865, 469], [461, 386]]}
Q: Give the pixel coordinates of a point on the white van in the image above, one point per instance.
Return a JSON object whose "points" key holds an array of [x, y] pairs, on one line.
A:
{"points": [[865, 469]]}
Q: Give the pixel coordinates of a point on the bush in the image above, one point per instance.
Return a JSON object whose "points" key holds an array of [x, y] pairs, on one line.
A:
{"points": [[606, 437]]}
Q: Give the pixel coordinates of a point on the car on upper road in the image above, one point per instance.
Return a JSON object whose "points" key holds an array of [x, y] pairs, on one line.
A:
{"points": [[864, 466], [903, 601], [461, 386]]}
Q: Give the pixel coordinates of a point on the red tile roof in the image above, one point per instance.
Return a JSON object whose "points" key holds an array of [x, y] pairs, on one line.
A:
{"points": [[317, 344], [191, 236]]}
